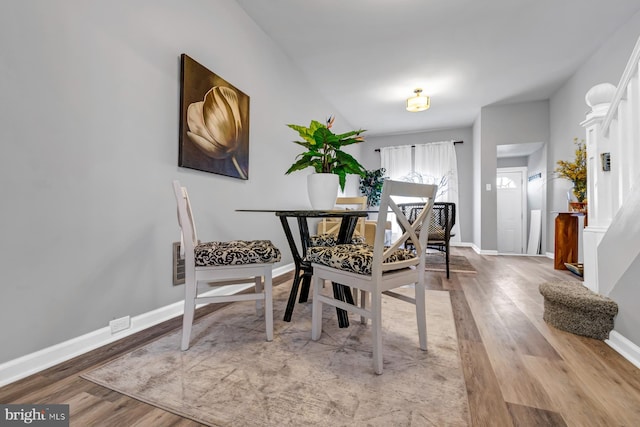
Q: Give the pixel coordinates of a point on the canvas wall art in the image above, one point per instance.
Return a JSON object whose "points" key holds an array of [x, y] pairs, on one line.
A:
{"points": [[214, 122]]}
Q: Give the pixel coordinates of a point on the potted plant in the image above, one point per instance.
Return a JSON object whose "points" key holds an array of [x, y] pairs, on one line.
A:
{"points": [[331, 164], [576, 171], [371, 186]]}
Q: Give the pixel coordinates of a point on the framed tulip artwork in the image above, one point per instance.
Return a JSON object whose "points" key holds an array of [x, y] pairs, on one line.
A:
{"points": [[214, 123]]}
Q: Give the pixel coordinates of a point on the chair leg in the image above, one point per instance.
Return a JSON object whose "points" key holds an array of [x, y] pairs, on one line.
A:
{"points": [[268, 303], [421, 316], [189, 311], [316, 310], [376, 330], [363, 305], [259, 302], [446, 251]]}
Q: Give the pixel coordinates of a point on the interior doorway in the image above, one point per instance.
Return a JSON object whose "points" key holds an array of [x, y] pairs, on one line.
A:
{"points": [[511, 194]]}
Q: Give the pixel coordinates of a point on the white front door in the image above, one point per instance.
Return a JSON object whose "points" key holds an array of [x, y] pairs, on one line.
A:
{"points": [[512, 200]]}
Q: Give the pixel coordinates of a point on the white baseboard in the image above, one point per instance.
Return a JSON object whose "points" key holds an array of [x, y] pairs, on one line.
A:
{"points": [[483, 252], [33, 363], [626, 348], [461, 244], [550, 255]]}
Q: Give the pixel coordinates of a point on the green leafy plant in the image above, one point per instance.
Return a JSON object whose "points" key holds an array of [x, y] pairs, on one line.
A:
{"points": [[371, 186], [576, 171], [324, 152]]}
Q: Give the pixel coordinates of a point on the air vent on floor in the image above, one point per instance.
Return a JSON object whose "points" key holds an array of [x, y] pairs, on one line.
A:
{"points": [[178, 265]]}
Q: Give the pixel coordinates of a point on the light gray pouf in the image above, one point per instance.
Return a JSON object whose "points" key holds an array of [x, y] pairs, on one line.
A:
{"points": [[574, 308]]}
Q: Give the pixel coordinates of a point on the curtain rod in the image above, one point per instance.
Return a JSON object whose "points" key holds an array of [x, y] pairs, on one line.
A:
{"points": [[377, 150]]}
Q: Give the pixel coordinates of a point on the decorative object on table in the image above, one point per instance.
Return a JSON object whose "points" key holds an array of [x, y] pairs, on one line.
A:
{"points": [[576, 171], [371, 186], [214, 123], [325, 156]]}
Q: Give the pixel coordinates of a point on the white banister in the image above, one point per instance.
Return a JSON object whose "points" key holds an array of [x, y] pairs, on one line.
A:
{"points": [[612, 128], [630, 70]]}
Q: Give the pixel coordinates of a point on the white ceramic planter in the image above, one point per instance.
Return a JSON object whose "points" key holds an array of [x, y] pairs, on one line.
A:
{"points": [[323, 190]]}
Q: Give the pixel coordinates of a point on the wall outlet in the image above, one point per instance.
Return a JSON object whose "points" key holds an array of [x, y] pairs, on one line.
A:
{"points": [[120, 324]]}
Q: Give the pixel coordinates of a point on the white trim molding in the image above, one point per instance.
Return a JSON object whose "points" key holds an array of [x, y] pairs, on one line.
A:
{"points": [[483, 251], [625, 347], [461, 244], [33, 363]]}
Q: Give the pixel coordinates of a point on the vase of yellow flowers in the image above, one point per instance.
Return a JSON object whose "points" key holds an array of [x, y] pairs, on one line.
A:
{"points": [[576, 171]]}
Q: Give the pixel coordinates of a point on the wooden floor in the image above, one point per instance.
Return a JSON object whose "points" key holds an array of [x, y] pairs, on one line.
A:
{"points": [[518, 370]]}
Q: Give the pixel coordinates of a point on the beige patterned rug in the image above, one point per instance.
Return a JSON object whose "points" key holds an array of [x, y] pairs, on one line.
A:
{"points": [[232, 376], [457, 263]]}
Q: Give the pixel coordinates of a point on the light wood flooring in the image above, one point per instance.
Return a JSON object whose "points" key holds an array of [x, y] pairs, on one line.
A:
{"points": [[518, 370]]}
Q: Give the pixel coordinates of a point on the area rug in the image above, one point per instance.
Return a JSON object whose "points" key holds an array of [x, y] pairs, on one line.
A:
{"points": [[457, 263], [232, 377]]}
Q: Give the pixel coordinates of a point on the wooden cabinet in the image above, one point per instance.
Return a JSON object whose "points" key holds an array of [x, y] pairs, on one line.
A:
{"points": [[568, 239]]}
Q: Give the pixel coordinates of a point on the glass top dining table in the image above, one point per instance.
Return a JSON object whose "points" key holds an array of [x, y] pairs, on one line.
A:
{"points": [[303, 269]]}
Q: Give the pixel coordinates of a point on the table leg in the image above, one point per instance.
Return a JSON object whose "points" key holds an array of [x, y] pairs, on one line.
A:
{"points": [[297, 260], [291, 302], [306, 286]]}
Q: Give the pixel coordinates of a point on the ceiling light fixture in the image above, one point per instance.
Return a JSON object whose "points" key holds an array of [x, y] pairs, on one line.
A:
{"points": [[418, 102]]}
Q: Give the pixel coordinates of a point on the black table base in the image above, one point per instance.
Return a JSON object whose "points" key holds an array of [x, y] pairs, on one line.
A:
{"points": [[303, 269]]}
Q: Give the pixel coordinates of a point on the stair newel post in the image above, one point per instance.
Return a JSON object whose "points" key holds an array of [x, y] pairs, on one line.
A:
{"points": [[599, 181]]}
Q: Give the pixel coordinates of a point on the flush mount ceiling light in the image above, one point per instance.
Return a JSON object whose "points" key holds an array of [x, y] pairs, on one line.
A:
{"points": [[418, 102]]}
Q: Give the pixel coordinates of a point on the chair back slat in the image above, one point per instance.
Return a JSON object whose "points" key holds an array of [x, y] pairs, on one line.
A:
{"points": [[423, 192], [332, 227], [185, 220]]}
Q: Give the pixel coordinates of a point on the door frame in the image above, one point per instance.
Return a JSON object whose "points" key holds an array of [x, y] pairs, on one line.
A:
{"points": [[523, 193]]}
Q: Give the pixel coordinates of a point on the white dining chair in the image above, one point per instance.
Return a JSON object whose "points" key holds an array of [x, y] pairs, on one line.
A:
{"points": [[377, 269], [217, 263]]}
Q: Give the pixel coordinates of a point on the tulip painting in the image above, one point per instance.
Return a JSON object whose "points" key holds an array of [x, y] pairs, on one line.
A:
{"points": [[214, 134]]}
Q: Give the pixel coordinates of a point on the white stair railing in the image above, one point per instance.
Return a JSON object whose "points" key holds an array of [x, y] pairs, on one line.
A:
{"points": [[612, 129]]}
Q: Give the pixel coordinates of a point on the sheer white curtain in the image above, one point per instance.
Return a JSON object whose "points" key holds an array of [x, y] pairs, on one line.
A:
{"points": [[398, 165], [436, 163], [396, 161]]}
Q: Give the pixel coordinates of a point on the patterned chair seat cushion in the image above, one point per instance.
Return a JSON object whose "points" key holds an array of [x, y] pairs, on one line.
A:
{"points": [[329, 239], [436, 233], [355, 258], [236, 252]]}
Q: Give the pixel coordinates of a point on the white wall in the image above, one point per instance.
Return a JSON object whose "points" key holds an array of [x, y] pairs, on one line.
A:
{"points": [[477, 182], [537, 189], [89, 132], [464, 155]]}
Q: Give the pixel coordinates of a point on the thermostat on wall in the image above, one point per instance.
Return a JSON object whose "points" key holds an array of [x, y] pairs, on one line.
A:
{"points": [[606, 161]]}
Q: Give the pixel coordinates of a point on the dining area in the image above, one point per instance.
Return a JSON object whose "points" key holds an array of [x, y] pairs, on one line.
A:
{"points": [[351, 265]]}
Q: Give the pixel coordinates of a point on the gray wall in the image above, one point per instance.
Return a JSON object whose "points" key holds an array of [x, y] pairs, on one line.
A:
{"points": [[504, 124], [512, 162], [89, 130], [464, 155]]}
